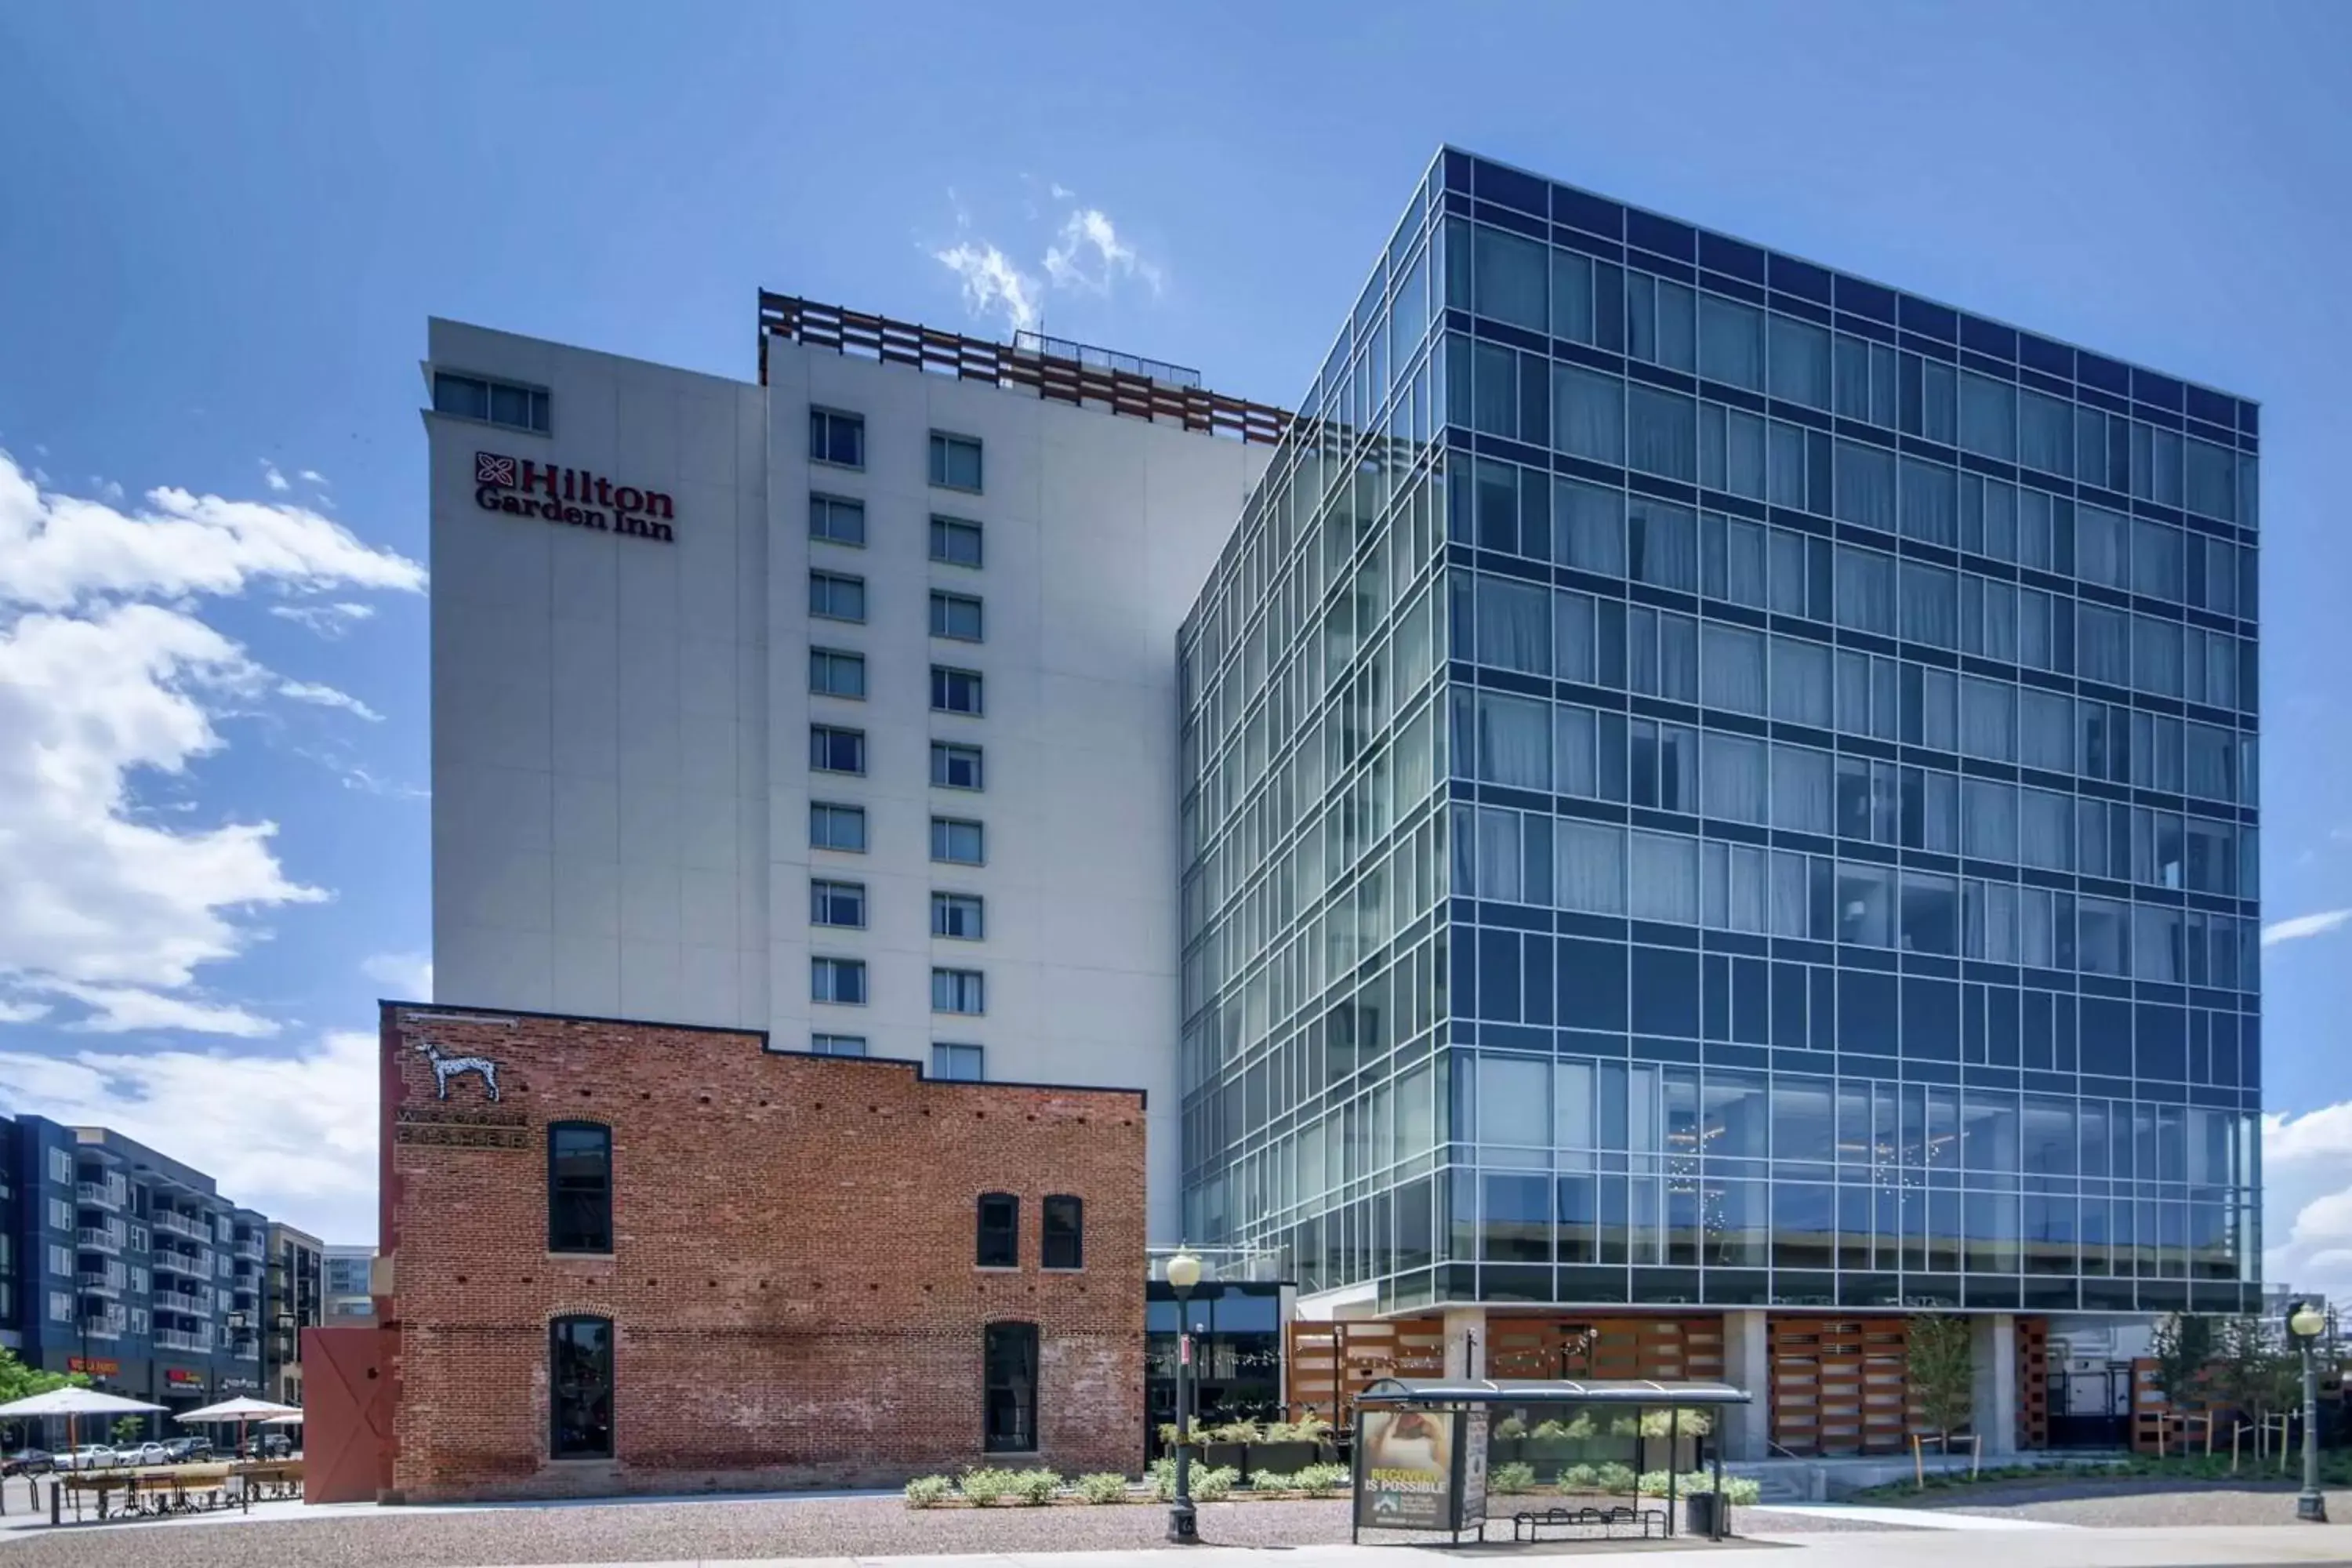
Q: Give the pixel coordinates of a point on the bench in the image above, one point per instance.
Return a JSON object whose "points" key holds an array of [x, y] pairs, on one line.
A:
{"points": [[1531, 1524]]}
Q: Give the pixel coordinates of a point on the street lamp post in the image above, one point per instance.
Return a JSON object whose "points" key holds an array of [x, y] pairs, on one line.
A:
{"points": [[1183, 1522], [2306, 1321]]}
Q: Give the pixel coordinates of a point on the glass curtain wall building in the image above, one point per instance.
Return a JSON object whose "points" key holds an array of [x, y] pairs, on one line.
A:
{"points": [[1707, 780]]}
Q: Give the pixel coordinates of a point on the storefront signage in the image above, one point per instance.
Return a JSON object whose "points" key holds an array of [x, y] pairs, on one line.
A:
{"points": [[573, 496], [239, 1385], [180, 1377], [93, 1366]]}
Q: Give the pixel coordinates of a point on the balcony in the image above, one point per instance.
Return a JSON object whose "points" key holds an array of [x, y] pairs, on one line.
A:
{"points": [[100, 1195], [100, 1282], [92, 1238], [248, 1246], [181, 1339], [180, 1224], [101, 1329], [168, 1260]]}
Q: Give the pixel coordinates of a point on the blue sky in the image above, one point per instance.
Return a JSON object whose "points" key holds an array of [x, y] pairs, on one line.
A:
{"points": [[227, 225]]}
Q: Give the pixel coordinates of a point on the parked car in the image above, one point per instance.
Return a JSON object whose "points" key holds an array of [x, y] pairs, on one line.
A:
{"points": [[145, 1454], [188, 1450], [267, 1445], [89, 1457], [28, 1462]]}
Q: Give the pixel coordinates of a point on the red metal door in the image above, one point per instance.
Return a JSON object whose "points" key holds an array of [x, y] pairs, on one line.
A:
{"points": [[346, 1414]]}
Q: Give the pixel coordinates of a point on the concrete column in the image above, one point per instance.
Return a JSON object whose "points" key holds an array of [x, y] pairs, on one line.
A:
{"points": [[1993, 1395], [1465, 1342], [1748, 1363]]}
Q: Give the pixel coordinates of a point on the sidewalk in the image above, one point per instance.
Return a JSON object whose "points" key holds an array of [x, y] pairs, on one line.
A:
{"points": [[2055, 1546]]}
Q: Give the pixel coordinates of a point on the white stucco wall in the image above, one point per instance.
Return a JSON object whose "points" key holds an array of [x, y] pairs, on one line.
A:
{"points": [[620, 726]]}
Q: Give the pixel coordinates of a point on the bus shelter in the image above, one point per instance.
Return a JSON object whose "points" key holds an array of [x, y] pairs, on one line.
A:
{"points": [[1421, 1447]]}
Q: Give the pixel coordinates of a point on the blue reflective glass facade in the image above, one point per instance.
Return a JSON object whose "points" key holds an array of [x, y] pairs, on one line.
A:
{"points": [[1710, 780]]}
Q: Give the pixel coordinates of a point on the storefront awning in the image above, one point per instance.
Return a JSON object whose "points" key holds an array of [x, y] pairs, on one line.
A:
{"points": [[1549, 1391]]}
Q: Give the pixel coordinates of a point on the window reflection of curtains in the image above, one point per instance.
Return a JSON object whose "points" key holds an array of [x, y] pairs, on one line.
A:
{"points": [[1514, 741], [1592, 866], [1789, 893], [2102, 547], [1662, 432], [1930, 502], [1866, 485], [1988, 416], [1513, 621], [1997, 622], [2045, 730], [1509, 272], [1731, 668], [1801, 796], [1664, 879], [1988, 719], [1588, 412], [1678, 656], [1662, 544], [1591, 525], [1801, 682], [1988, 819], [1866, 590], [1734, 778], [1731, 341], [1931, 604], [1575, 612], [2045, 433], [1801, 362], [2155, 654], [2103, 644], [2045, 830]]}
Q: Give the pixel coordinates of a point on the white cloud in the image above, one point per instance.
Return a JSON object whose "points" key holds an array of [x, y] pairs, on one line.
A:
{"points": [[992, 284], [2302, 926], [272, 477], [2308, 1199], [103, 693], [57, 551], [359, 778], [23, 1011], [1062, 193], [291, 1134], [121, 1009], [1089, 255], [409, 975], [313, 476], [330, 621], [319, 696]]}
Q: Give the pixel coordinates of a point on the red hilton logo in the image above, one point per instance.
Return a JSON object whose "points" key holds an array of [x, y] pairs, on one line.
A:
{"points": [[573, 496]]}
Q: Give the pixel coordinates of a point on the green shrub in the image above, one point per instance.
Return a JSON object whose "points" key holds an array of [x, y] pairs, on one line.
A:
{"points": [[1161, 1478], [1272, 1481], [1035, 1488], [1511, 1479], [1212, 1485], [1510, 1426], [928, 1491], [1663, 1423], [1578, 1478], [1323, 1480], [1235, 1432], [1550, 1429], [1614, 1477], [1652, 1483], [1107, 1486], [985, 1484], [1737, 1490]]}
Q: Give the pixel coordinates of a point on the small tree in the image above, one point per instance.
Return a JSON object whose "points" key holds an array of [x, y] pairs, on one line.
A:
{"points": [[2183, 1348], [127, 1429], [2251, 1370], [1941, 1369]]}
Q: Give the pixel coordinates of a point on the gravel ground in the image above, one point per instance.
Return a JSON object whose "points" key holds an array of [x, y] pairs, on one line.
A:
{"points": [[2129, 1504], [704, 1527]]}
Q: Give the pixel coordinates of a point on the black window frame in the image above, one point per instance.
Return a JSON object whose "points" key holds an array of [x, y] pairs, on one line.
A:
{"points": [[828, 659], [821, 502], [941, 608], [1062, 1232], [819, 578], [944, 445], [947, 756], [996, 1231], [950, 683], [578, 1214], [823, 757], [944, 528], [822, 424], [1009, 1357], [830, 897], [566, 1394], [938, 1059], [948, 826], [948, 909], [837, 810], [839, 966], [534, 420]]}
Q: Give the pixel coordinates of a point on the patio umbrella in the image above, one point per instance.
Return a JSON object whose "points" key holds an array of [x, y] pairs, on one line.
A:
{"points": [[240, 1410], [73, 1403]]}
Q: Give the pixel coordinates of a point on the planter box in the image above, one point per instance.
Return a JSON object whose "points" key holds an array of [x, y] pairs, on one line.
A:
{"points": [[1225, 1456], [1278, 1458]]}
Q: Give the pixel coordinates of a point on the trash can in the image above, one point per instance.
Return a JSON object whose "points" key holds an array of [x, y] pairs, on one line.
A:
{"points": [[1707, 1514]]}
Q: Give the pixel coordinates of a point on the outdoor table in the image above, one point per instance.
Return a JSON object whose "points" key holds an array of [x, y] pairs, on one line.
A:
{"points": [[271, 1478], [177, 1489]]}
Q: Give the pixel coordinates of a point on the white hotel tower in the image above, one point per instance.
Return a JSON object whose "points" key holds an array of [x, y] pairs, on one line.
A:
{"points": [[878, 752]]}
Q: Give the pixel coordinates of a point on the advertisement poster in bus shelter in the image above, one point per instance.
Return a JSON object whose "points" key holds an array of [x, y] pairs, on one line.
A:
{"points": [[1470, 1450], [1405, 1468]]}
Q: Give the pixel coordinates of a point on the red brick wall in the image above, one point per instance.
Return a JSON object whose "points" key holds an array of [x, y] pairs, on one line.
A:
{"points": [[792, 1285]]}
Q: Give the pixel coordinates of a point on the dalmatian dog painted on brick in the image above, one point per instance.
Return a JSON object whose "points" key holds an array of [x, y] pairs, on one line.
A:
{"points": [[447, 1068]]}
